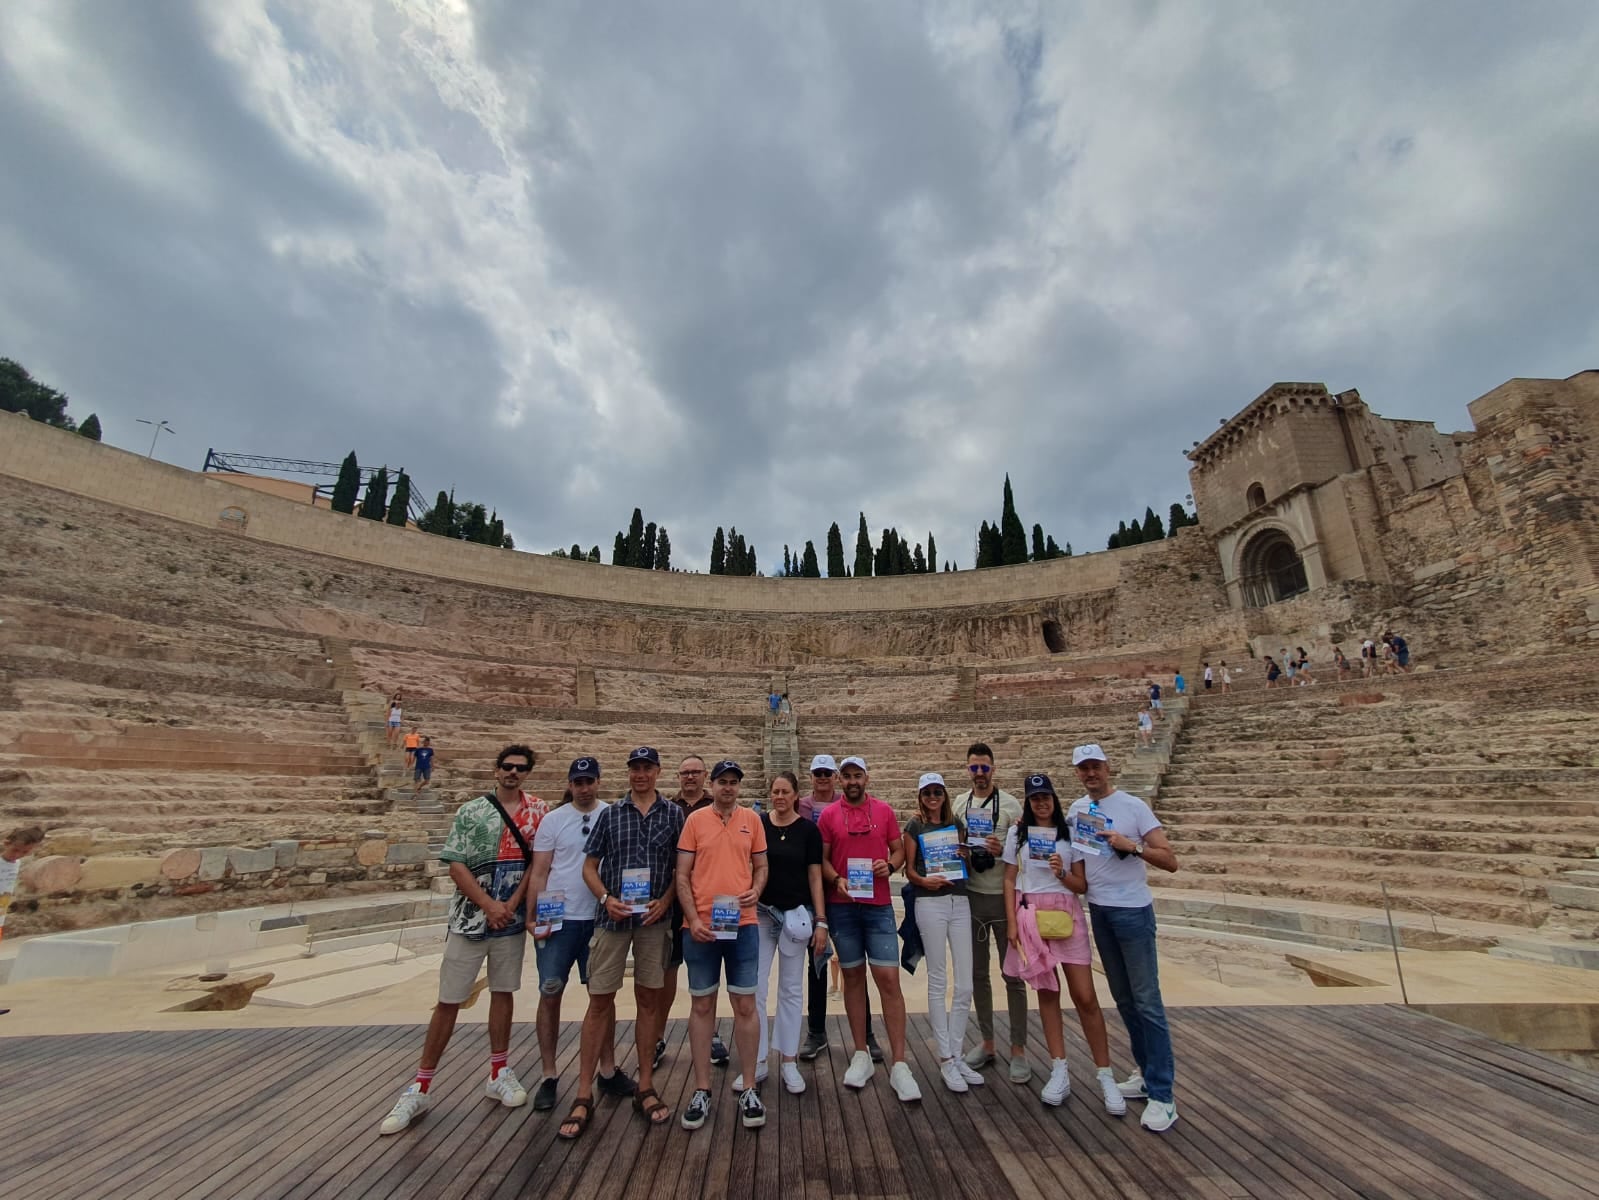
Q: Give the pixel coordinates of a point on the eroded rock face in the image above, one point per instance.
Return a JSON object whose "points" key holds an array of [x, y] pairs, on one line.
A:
{"points": [[50, 874], [372, 852], [181, 863]]}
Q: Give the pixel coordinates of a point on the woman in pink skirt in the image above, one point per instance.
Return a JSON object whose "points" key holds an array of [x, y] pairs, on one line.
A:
{"points": [[1043, 872]]}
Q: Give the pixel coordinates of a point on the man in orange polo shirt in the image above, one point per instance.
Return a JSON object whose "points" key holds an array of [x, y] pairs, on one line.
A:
{"points": [[721, 869]]}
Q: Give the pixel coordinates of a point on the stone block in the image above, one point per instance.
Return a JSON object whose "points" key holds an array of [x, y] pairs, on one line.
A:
{"points": [[371, 852], [51, 874], [119, 871], [408, 852], [317, 877], [246, 861], [180, 864], [213, 862], [285, 853], [68, 841], [332, 857]]}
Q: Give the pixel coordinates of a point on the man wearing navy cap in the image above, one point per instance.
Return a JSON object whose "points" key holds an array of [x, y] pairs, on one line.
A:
{"points": [[1122, 914], [561, 914]]}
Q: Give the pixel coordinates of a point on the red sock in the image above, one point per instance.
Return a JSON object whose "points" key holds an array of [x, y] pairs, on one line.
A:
{"points": [[497, 1064], [424, 1080]]}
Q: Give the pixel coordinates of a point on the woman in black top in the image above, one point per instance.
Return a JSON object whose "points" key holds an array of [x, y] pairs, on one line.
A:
{"points": [[793, 881]]}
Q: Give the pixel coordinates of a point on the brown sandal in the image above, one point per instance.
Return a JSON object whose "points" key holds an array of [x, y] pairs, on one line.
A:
{"points": [[648, 1104], [581, 1120]]}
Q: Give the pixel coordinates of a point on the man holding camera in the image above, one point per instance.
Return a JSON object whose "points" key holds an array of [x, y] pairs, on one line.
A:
{"points": [[995, 811]]}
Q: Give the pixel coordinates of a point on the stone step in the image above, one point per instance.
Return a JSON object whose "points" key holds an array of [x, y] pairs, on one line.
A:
{"points": [[1584, 956], [1405, 805], [1492, 840], [1567, 894], [1448, 870], [1314, 778], [1470, 906]]}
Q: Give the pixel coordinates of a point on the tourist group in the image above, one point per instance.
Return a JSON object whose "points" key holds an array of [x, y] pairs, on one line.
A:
{"points": [[702, 881]]}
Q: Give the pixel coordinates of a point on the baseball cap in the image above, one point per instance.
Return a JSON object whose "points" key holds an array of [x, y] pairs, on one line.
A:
{"points": [[1086, 752], [823, 762], [796, 931], [647, 754], [854, 760], [1038, 784], [583, 768], [724, 767], [931, 779]]}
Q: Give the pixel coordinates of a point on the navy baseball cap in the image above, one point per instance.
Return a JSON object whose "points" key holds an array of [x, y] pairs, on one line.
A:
{"points": [[1038, 785], [647, 754], [583, 768], [724, 767]]}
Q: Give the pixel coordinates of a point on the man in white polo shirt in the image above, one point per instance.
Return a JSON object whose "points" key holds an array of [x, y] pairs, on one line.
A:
{"points": [[1117, 834]]}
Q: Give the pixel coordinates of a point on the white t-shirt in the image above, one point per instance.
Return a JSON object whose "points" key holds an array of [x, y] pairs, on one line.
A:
{"points": [[1144, 721], [1033, 876], [1210, 675], [8, 886], [1113, 881], [562, 832]]}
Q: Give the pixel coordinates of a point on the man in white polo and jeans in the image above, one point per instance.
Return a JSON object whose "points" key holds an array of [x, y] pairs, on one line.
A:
{"points": [[488, 850], [1117, 834]]}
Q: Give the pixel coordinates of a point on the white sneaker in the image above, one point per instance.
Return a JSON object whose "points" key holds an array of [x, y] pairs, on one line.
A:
{"points": [[760, 1078], [1159, 1116], [1059, 1085], [953, 1079], [1115, 1102], [974, 1078], [1133, 1087], [860, 1070], [792, 1079], [413, 1102], [507, 1089], [905, 1083]]}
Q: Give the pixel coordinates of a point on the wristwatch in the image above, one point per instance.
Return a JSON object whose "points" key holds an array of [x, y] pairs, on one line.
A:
{"points": [[1138, 850]]}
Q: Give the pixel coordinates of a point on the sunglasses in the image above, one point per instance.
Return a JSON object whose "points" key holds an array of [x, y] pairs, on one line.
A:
{"points": [[522, 768], [687, 774], [979, 768], [822, 774], [934, 791]]}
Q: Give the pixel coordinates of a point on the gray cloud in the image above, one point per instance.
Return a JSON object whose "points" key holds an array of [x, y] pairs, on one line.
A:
{"points": [[769, 266]]}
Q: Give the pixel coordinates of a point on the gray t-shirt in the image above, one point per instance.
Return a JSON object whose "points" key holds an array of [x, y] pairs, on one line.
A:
{"points": [[1114, 881], [992, 881]]}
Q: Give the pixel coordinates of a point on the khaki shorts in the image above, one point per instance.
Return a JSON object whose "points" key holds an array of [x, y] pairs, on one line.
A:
{"points": [[651, 946], [463, 957]]}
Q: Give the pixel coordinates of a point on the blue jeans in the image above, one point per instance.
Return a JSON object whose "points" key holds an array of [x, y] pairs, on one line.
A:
{"points": [[557, 954], [863, 933], [1126, 941], [742, 955]]}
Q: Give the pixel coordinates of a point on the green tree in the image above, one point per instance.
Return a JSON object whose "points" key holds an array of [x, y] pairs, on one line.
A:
{"points": [[495, 535], [348, 487], [835, 553], [663, 550], [809, 567], [1013, 537], [920, 560], [982, 546], [1040, 551], [594, 554], [635, 540], [375, 504], [619, 551], [437, 518], [719, 553], [91, 429], [1153, 529], [400, 502], [576, 552], [787, 563], [21, 392], [647, 548], [932, 553], [1051, 550], [863, 551]]}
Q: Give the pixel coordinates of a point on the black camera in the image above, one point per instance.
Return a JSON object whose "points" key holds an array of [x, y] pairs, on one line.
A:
{"points": [[980, 859]]}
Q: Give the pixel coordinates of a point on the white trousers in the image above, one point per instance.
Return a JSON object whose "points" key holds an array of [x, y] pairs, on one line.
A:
{"points": [[784, 1031], [945, 923]]}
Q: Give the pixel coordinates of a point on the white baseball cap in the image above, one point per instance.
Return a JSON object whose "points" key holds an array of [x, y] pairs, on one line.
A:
{"points": [[797, 930], [854, 760], [1086, 752], [928, 780], [823, 762]]}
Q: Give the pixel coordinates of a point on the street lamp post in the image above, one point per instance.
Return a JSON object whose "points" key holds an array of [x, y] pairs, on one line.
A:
{"points": [[160, 428]]}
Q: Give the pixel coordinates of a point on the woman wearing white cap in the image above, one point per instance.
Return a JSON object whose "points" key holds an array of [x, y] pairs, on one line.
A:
{"points": [[935, 863], [789, 921]]}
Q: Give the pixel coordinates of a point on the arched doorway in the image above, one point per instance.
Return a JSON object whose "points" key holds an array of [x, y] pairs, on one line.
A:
{"points": [[1270, 569], [1054, 637]]}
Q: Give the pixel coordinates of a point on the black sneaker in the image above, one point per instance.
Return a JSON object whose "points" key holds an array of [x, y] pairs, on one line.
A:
{"points": [[874, 1049], [616, 1084], [719, 1055], [660, 1055], [544, 1098], [815, 1043], [699, 1107], [751, 1110]]}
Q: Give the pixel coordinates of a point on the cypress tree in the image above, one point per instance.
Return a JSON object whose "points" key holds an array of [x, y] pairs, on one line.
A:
{"points": [[400, 502], [787, 562], [594, 554], [982, 546], [809, 567], [349, 485], [719, 553], [375, 504], [1153, 529], [932, 553], [663, 550], [1013, 537], [619, 551], [835, 553], [475, 528], [863, 551], [635, 540], [1040, 551], [920, 561], [437, 519], [576, 552], [647, 548], [91, 429], [1114, 542], [1135, 533], [1051, 550]]}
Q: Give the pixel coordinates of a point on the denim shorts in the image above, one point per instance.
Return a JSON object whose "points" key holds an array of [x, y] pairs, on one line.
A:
{"points": [[864, 933], [567, 945], [741, 954]]}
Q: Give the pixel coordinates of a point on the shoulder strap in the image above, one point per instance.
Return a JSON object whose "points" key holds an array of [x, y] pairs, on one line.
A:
{"points": [[527, 851]]}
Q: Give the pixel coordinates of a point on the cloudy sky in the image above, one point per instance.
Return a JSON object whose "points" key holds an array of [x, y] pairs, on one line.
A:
{"points": [[770, 264]]}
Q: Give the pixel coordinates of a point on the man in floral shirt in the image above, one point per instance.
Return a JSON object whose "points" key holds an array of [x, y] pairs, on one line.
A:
{"points": [[488, 864]]}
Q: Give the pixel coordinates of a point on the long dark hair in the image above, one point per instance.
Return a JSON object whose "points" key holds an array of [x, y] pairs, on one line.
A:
{"points": [[1057, 819]]}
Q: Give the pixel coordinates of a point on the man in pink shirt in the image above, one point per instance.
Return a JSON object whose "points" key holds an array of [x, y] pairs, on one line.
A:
{"points": [[860, 849]]}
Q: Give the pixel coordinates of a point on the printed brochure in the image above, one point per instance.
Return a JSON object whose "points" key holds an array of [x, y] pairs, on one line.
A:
{"points": [[941, 854], [979, 828], [1041, 841], [724, 918], [636, 889], [1088, 833], [550, 915], [862, 884]]}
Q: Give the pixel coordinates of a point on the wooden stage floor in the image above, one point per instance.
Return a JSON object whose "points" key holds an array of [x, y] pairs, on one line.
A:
{"points": [[1275, 1102]]}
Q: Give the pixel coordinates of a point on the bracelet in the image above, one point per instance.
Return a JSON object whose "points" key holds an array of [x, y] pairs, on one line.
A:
{"points": [[820, 924]]}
